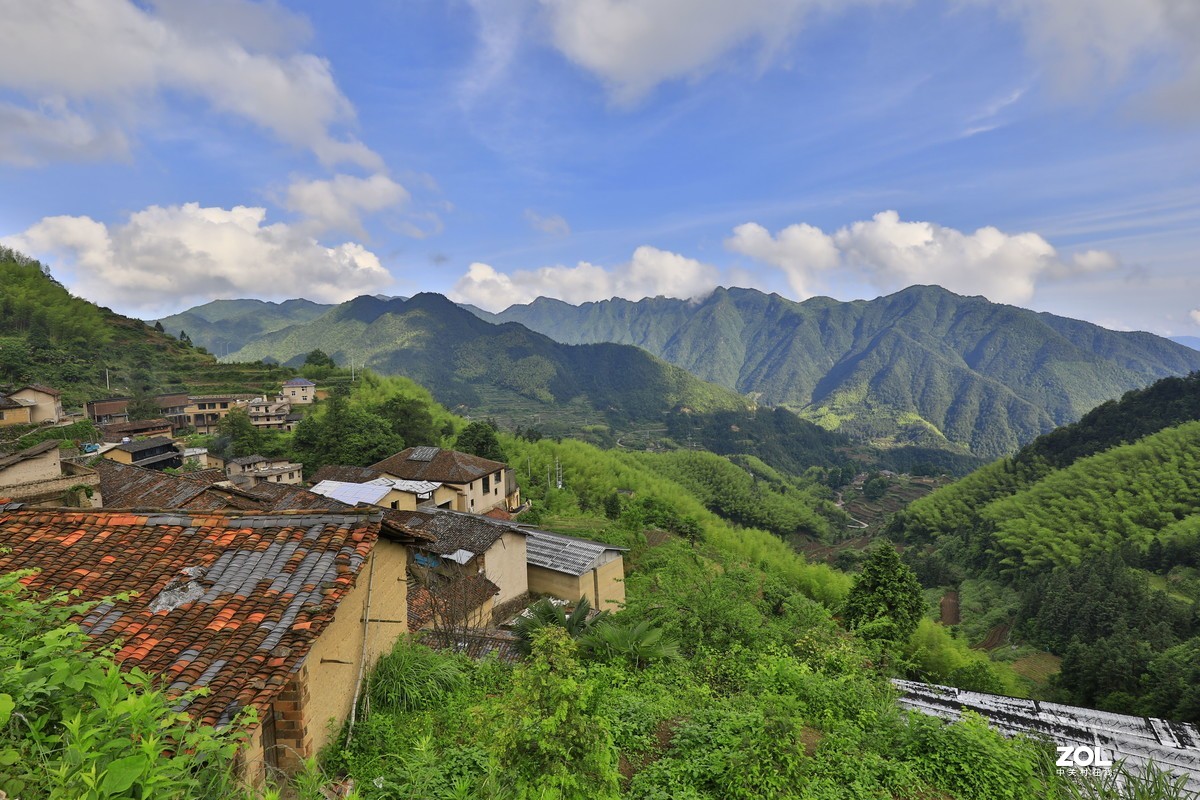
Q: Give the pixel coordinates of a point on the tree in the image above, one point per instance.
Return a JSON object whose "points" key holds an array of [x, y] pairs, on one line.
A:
{"points": [[319, 358], [545, 613], [158, 326], [244, 438], [552, 738], [143, 406], [885, 601], [479, 439], [343, 434], [410, 419], [876, 487]]}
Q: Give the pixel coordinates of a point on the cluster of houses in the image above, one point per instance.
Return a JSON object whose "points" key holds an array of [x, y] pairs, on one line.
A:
{"points": [[204, 412], [277, 595]]}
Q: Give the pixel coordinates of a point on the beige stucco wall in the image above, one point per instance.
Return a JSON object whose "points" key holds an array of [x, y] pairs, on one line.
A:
{"points": [[558, 584], [48, 408], [332, 666], [506, 566], [16, 416], [120, 456], [604, 587], [41, 468], [477, 501], [608, 586]]}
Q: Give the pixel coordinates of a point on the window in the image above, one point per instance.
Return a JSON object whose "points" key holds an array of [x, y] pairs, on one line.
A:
{"points": [[487, 485], [395, 504]]}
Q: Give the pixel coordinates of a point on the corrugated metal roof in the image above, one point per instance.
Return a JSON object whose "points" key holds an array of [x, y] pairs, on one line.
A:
{"points": [[562, 553], [352, 493]]}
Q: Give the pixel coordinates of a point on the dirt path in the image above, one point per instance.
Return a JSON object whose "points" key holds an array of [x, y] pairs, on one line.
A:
{"points": [[950, 615]]}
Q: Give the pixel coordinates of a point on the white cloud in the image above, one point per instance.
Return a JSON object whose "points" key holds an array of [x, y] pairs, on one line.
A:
{"points": [[174, 256], [890, 254], [103, 60], [52, 132], [632, 47], [801, 251], [339, 203], [651, 272], [1195, 315], [552, 223], [1086, 40]]}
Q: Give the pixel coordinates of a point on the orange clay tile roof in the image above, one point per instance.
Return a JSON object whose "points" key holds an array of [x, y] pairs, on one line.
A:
{"points": [[228, 601]]}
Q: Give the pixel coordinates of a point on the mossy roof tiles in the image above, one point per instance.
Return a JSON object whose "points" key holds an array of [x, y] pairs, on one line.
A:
{"points": [[225, 600]]}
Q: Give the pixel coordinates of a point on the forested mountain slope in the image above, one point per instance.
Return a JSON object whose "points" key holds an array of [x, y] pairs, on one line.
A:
{"points": [[922, 365], [224, 326], [484, 368], [1096, 527], [86, 351]]}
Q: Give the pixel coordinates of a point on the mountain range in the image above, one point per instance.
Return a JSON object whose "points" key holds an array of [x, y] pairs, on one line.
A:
{"points": [[923, 365], [478, 367], [223, 326]]}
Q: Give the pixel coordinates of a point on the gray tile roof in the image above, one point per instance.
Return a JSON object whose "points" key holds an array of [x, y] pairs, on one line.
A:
{"points": [[451, 530]]}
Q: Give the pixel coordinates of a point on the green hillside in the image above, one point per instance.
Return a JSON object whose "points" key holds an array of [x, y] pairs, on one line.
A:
{"points": [[223, 326], [1093, 534], [86, 351], [478, 368], [923, 366]]}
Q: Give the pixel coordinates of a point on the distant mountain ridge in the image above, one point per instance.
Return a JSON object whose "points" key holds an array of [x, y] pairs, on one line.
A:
{"points": [[223, 326], [922, 365], [486, 368], [1187, 341]]}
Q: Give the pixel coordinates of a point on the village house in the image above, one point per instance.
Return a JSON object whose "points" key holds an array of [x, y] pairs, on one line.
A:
{"points": [[271, 415], [483, 484], [115, 410], [46, 403], [251, 470], [468, 544], [205, 412], [14, 412], [570, 568], [391, 493], [299, 391], [276, 612], [37, 476], [120, 431], [158, 452]]}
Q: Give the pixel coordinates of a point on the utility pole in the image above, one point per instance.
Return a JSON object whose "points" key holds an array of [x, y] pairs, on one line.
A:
{"points": [[558, 470]]}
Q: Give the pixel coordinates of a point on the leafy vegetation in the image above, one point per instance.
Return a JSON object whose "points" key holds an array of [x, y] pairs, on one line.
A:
{"points": [[1097, 533]]}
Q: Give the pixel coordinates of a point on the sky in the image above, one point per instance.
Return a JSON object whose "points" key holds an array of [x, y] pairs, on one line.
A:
{"points": [[1045, 153]]}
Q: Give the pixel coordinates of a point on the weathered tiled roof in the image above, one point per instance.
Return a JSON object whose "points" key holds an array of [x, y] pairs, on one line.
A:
{"points": [[283, 496], [232, 602], [442, 466], [345, 474], [40, 387], [8, 459], [246, 461], [563, 553], [8, 402], [145, 444], [127, 486], [452, 531], [298, 382], [206, 476]]}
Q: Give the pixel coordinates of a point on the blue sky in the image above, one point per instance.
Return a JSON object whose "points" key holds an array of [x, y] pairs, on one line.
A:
{"points": [[1040, 152]]}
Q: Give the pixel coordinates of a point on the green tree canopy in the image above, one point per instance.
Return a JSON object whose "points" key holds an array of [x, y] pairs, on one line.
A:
{"points": [[886, 590], [319, 358], [244, 438], [479, 439]]}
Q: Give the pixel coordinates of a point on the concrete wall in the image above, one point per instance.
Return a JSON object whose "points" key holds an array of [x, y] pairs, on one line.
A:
{"points": [[477, 500], [506, 566]]}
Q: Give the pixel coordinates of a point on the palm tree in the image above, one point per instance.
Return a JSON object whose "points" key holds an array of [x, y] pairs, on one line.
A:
{"points": [[544, 613], [638, 644]]}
